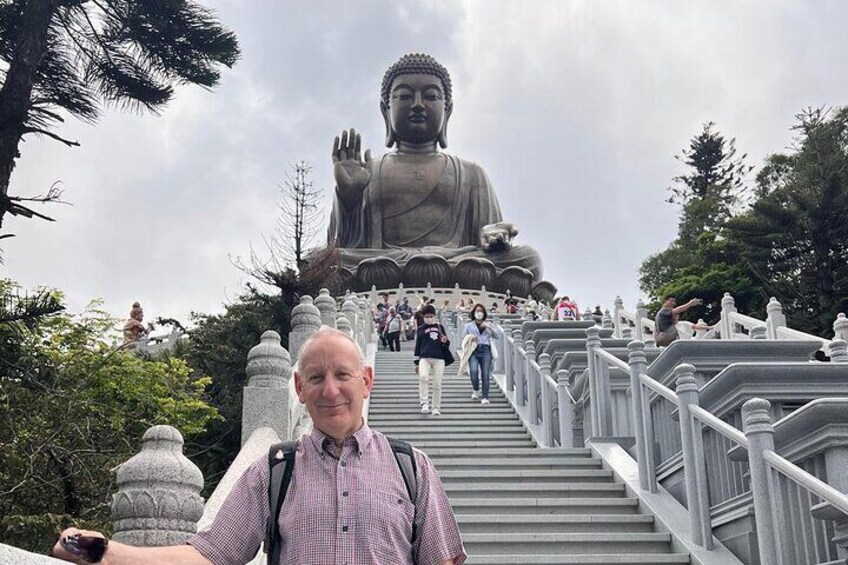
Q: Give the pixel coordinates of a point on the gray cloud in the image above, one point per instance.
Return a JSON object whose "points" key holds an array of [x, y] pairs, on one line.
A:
{"points": [[575, 110]]}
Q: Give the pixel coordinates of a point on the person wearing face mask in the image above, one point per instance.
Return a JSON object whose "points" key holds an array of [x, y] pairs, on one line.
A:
{"points": [[431, 342], [480, 362]]}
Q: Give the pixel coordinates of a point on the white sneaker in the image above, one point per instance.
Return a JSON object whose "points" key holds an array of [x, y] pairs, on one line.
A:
{"points": [[475, 395], [425, 409], [436, 412], [484, 401]]}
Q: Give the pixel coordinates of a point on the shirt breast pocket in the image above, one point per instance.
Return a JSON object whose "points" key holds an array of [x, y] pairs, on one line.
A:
{"points": [[388, 518]]}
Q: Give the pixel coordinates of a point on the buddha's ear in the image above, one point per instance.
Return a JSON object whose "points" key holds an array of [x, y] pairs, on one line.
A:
{"points": [[443, 135], [390, 134]]}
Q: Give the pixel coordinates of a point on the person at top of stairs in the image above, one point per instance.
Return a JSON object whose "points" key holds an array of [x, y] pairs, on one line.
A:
{"points": [[480, 362], [431, 343]]}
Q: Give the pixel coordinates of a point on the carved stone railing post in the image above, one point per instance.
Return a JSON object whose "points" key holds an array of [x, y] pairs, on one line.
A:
{"points": [[756, 423], [366, 322], [351, 311], [606, 321], [371, 295], [547, 400], [484, 297], [265, 399], [343, 325], [840, 327], [566, 410], [305, 321], [593, 343], [644, 451], [158, 498], [618, 306], [697, 497], [641, 313], [531, 376], [401, 293], [508, 353], [838, 351], [728, 306], [520, 376], [327, 307], [775, 318], [627, 333]]}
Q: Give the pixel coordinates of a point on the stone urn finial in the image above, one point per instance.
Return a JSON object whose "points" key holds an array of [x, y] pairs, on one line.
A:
{"points": [[268, 363], [158, 500], [327, 307], [305, 321]]}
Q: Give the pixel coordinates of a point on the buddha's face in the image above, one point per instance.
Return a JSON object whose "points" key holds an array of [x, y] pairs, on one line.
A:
{"points": [[416, 109]]}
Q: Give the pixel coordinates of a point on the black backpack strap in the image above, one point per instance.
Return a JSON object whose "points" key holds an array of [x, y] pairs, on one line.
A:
{"points": [[409, 470], [281, 457]]}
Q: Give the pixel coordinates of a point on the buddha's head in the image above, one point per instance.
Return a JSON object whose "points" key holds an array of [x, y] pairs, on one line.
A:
{"points": [[416, 100]]}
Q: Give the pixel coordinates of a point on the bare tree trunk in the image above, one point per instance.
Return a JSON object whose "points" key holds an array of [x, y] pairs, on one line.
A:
{"points": [[16, 92]]}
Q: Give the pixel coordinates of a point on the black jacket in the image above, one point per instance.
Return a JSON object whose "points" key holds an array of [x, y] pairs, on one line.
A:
{"points": [[427, 344]]}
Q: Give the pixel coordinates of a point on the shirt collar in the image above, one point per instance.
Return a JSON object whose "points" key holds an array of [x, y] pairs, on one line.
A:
{"points": [[361, 438]]}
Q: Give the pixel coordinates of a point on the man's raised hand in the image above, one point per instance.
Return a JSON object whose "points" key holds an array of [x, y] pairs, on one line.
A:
{"points": [[352, 172]]}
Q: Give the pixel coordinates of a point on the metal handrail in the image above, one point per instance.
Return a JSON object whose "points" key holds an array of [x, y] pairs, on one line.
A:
{"points": [[659, 388], [719, 426], [613, 359], [806, 480]]}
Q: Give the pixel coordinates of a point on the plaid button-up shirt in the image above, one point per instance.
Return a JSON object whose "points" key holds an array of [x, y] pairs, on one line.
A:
{"points": [[346, 508]]}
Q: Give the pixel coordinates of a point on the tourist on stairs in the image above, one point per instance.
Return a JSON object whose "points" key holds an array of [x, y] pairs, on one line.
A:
{"points": [[431, 347], [480, 362], [394, 323]]}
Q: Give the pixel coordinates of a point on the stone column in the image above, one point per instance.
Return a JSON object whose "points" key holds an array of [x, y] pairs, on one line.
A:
{"points": [[728, 306], [593, 343], [618, 306], [756, 423], [305, 321], [838, 351], [606, 321], [638, 365], [642, 312], [775, 318], [840, 327], [158, 499], [343, 325], [265, 400], [566, 410], [327, 307], [547, 400], [365, 323]]}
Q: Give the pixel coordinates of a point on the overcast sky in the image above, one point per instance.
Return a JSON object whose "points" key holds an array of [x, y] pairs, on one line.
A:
{"points": [[575, 110]]}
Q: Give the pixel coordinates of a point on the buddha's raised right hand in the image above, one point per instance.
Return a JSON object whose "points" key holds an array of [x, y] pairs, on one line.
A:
{"points": [[351, 172]]}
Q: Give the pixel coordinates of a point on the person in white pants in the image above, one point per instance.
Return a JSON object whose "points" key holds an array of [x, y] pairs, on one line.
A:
{"points": [[431, 341]]}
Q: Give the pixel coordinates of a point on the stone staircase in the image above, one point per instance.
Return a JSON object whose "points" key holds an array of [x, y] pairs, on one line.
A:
{"points": [[515, 503]]}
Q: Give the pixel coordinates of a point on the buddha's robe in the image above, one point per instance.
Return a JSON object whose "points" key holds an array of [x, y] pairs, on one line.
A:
{"points": [[453, 231]]}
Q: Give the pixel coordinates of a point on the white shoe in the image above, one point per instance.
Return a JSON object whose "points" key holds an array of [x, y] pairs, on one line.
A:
{"points": [[484, 401], [436, 412], [425, 409], [475, 395]]}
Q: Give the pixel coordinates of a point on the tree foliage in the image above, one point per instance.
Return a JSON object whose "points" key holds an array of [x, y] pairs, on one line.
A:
{"points": [[72, 408], [218, 347], [701, 262], [77, 55], [795, 235]]}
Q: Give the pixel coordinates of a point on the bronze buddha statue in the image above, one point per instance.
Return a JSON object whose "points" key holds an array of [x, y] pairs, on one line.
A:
{"points": [[418, 215]]}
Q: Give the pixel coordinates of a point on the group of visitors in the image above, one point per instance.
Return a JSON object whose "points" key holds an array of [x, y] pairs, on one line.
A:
{"points": [[433, 353]]}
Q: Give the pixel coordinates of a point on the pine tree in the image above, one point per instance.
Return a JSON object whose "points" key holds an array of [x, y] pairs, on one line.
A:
{"points": [[78, 55]]}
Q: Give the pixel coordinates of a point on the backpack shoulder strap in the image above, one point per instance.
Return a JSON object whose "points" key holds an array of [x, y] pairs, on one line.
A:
{"points": [[405, 459], [281, 457]]}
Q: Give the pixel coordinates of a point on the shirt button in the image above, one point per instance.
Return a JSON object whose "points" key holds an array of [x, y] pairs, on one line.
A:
{"points": [[344, 463], [345, 493], [344, 528]]}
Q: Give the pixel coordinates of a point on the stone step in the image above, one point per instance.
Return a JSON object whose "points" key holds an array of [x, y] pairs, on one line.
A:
{"points": [[544, 505], [521, 453], [489, 475], [471, 417], [597, 543], [561, 523], [583, 559], [378, 400], [467, 489], [452, 430], [465, 445], [447, 409], [424, 435], [458, 464]]}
